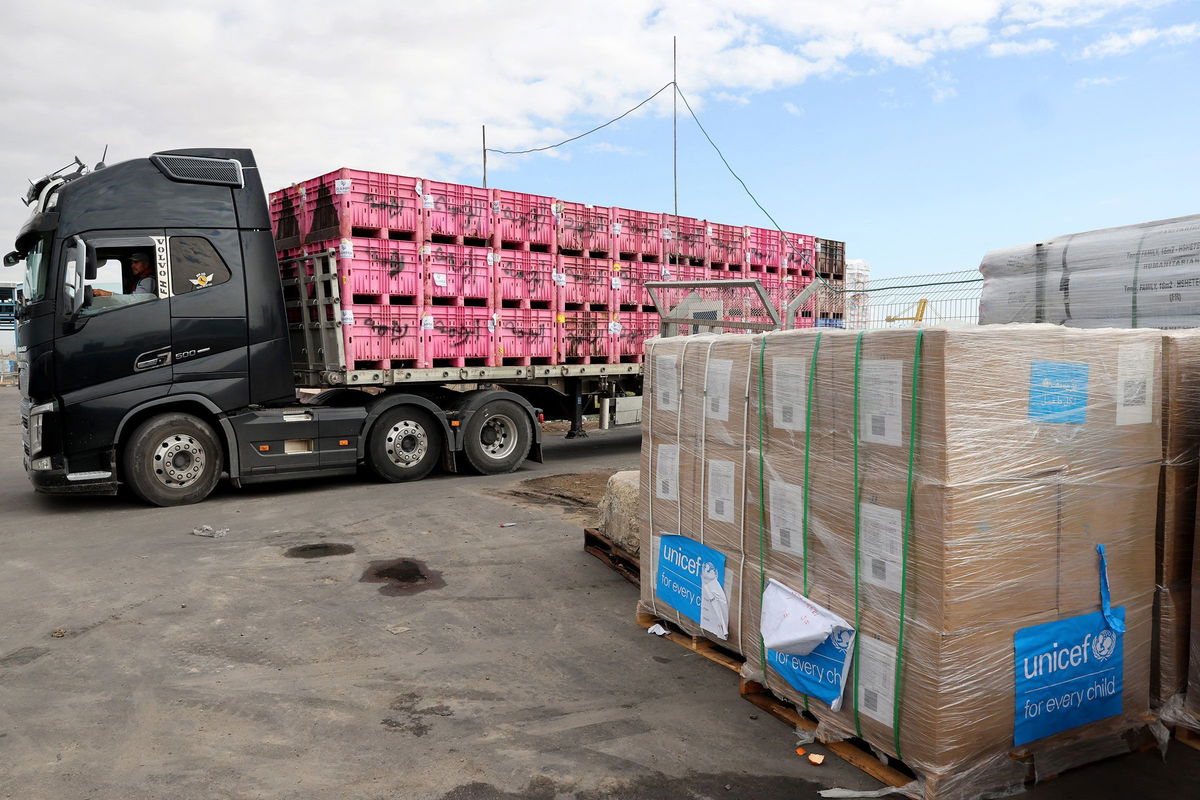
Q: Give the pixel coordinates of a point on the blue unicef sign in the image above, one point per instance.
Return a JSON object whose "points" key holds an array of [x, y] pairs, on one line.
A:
{"points": [[1068, 673], [822, 673], [1058, 391], [682, 563]]}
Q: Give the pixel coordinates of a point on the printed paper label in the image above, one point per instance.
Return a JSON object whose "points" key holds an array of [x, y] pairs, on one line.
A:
{"points": [[666, 473], [1068, 673], [691, 579], [666, 382], [720, 490], [716, 391], [491, 258], [343, 186], [615, 282], [876, 679], [882, 537], [559, 278], [880, 391], [1135, 384], [345, 249], [614, 328], [427, 201], [439, 279], [787, 517], [427, 322], [1058, 391], [789, 392], [347, 316]]}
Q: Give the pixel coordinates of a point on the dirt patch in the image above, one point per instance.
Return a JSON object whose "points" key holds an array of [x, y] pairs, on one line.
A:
{"points": [[580, 492]]}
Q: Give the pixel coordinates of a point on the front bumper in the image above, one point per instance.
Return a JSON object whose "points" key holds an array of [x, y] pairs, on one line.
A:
{"points": [[58, 481]]}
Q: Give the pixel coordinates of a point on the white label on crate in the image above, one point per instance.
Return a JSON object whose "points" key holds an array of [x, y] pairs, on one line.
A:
{"points": [[666, 233], [492, 323], [666, 382], [666, 273], [426, 249], [1135, 384], [347, 316], [427, 322], [880, 386], [495, 206], [556, 208], [439, 279], [346, 249], [491, 258], [616, 229], [666, 472], [708, 230], [427, 201], [789, 393], [716, 390], [876, 679], [786, 507], [420, 186], [615, 282], [343, 186], [559, 278], [882, 539], [614, 328], [720, 490]]}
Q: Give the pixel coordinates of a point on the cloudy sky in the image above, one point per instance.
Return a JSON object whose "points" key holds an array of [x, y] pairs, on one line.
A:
{"points": [[922, 132]]}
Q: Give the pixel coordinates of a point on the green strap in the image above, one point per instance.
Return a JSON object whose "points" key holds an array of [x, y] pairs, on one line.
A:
{"points": [[762, 505], [857, 533], [908, 524]]}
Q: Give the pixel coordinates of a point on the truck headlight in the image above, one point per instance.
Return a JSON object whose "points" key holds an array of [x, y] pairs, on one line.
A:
{"points": [[36, 415]]}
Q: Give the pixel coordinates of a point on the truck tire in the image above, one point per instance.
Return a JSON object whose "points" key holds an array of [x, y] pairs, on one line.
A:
{"points": [[172, 459], [497, 437], [404, 444]]}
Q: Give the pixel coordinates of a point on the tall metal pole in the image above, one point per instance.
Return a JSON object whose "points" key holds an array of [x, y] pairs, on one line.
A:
{"points": [[675, 135], [484, 155]]}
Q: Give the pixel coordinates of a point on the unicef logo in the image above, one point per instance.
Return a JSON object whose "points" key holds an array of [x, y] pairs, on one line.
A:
{"points": [[1104, 645], [841, 639]]}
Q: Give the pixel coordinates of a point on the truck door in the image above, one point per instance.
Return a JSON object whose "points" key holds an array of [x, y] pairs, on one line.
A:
{"points": [[208, 315]]}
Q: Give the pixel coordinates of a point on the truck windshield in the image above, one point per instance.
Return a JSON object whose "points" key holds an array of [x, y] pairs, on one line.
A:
{"points": [[37, 263]]}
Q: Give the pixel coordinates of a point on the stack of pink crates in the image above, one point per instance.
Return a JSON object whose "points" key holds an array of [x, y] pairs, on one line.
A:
{"points": [[436, 274]]}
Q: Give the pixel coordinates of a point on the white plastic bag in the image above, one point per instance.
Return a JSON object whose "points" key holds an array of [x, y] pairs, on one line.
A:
{"points": [[791, 623], [714, 603]]}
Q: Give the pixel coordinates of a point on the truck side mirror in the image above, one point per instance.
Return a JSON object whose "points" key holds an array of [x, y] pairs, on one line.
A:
{"points": [[90, 266], [12, 259], [73, 277]]}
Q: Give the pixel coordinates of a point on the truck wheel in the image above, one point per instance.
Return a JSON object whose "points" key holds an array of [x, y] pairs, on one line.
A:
{"points": [[405, 444], [497, 437], [172, 460]]}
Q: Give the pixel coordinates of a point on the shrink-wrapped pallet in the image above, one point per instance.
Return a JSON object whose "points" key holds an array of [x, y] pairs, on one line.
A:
{"points": [[945, 494]]}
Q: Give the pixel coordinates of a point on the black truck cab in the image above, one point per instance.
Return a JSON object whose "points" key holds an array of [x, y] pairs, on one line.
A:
{"points": [[153, 343]]}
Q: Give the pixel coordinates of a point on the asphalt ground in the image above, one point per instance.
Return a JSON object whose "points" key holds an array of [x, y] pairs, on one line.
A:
{"points": [[194, 667]]}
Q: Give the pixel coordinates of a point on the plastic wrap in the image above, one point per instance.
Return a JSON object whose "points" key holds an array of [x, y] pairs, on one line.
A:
{"points": [[1136, 276], [944, 491]]}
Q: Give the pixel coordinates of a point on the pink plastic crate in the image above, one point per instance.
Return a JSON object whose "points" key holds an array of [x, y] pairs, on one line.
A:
{"points": [[458, 271], [584, 227], [583, 337], [524, 335], [377, 267], [636, 328], [684, 236], [450, 335], [452, 209], [522, 275], [289, 218], [521, 217], [726, 244], [799, 254], [377, 335], [585, 280], [349, 202], [637, 231], [763, 247], [632, 277]]}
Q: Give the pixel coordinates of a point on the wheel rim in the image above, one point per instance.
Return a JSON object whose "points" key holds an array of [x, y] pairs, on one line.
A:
{"points": [[179, 461], [406, 443], [498, 436]]}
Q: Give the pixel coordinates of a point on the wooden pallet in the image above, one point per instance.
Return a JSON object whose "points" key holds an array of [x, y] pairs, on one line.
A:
{"points": [[1188, 736], [756, 693], [612, 554]]}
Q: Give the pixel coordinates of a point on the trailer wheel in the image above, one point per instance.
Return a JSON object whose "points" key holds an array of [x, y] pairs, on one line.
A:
{"points": [[172, 460], [404, 444], [497, 437]]}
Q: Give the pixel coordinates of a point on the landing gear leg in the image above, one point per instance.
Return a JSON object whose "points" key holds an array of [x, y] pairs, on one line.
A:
{"points": [[577, 431]]}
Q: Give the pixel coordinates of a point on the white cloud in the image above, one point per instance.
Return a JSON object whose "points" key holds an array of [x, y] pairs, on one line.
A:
{"points": [[1084, 83], [404, 87], [1020, 48], [793, 109], [1118, 44], [942, 85]]}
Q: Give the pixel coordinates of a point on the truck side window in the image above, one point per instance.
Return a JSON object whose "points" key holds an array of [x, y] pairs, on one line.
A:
{"points": [[117, 283], [195, 265]]}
